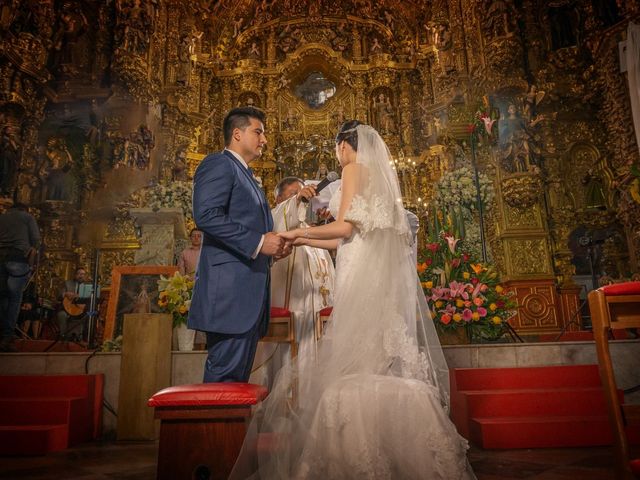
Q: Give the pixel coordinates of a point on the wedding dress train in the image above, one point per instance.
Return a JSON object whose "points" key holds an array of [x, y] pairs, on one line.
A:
{"points": [[372, 403]]}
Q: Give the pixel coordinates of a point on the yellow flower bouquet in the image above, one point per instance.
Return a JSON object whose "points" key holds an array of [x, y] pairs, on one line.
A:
{"points": [[175, 296]]}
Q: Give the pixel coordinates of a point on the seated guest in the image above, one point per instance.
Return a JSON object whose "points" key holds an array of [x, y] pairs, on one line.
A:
{"points": [[188, 261], [30, 312], [74, 307]]}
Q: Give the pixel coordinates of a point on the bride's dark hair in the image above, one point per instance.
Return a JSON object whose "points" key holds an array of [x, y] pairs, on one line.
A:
{"points": [[349, 134]]}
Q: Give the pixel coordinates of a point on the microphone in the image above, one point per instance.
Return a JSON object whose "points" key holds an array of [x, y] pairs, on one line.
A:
{"points": [[331, 177]]}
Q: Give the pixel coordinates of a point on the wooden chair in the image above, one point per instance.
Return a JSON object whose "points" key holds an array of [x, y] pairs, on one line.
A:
{"points": [[282, 325], [616, 307], [322, 317]]}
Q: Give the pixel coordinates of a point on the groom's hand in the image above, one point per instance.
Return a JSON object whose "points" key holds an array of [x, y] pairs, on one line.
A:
{"points": [[272, 245]]}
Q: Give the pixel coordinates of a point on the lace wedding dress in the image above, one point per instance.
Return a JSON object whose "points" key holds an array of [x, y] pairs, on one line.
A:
{"points": [[372, 403]]}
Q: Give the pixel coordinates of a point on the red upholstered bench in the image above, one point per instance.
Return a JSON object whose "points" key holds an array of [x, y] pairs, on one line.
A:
{"points": [[322, 317], [202, 428]]}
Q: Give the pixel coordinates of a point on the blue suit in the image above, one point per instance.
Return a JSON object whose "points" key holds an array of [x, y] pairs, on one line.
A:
{"points": [[231, 293]]}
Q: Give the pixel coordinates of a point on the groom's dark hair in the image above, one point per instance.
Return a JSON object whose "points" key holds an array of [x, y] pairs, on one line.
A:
{"points": [[239, 118], [349, 134]]}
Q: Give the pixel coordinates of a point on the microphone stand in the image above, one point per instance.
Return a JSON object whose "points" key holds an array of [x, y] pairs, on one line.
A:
{"points": [[93, 314]]}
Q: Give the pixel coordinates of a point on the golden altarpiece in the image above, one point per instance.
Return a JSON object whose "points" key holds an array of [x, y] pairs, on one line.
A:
{"points": [[102, 102]]}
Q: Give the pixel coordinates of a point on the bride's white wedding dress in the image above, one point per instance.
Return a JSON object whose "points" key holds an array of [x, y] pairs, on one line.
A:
{"points": [[372, 403]]}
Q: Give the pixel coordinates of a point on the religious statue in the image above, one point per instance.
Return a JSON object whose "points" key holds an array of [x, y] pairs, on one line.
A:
{"points": [[71, 25], [322, 172], [518, 143], [291, 120], [383, 114], [444, 45], [60, 184], [184, 59], [499, 18], [179, 169]]}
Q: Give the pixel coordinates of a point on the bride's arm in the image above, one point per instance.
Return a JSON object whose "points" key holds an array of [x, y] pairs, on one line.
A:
{"points": [[341, 228], [324, 244]]}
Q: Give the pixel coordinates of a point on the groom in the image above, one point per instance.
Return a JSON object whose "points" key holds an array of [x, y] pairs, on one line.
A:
{"points": [[231, 293]]}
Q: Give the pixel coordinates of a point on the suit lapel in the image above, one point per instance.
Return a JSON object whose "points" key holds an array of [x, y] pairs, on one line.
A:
{"points": [[263, 200]]}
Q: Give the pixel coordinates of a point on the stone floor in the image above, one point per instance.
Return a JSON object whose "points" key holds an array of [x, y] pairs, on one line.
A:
{"points": [[129, 461]]}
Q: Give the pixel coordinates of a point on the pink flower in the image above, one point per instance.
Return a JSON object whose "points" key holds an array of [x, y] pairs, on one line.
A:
{"points": [[458, 290], [488, 124], [455, 263], [484, 287], [482, 311], [467, 314], [468, 303], [478, 301], [452, 242]]}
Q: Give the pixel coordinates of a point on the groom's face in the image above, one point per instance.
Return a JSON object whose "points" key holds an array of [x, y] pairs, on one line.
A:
{"points": [[251, 140]]}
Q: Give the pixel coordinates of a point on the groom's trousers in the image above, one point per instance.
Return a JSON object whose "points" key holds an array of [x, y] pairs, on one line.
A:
{"points": [[231, 356]]}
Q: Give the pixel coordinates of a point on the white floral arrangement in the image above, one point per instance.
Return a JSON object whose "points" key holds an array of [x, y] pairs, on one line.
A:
{"points": [[173, 195], [457, 188]]}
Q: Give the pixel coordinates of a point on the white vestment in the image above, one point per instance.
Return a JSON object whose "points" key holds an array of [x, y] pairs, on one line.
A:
{"points": [[311, 273]]}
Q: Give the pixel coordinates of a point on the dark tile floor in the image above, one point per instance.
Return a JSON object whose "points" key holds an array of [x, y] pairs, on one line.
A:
{"points": [[129, 461]]}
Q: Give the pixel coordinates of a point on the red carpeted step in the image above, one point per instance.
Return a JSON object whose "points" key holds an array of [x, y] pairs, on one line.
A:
{"points": [[531, 407], [42, 411], [73, 401], [587, 401], [541, 432], [32, 439], [525, 377]]}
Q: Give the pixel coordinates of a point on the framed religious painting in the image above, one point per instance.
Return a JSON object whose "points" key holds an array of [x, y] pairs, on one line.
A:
{"points": [[134, 289]]}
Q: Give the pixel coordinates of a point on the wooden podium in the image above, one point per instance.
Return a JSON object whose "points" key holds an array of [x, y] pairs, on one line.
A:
{"points": [[145, 368]]}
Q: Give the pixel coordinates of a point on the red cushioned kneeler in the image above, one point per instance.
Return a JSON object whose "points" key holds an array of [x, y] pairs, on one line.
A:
{"points": [[202, 427], [322, 317]]}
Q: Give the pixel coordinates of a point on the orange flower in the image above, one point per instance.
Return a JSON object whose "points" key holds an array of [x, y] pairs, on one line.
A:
{"points": [[446, 319], [422, 267], [428, 284], [477, 268]]}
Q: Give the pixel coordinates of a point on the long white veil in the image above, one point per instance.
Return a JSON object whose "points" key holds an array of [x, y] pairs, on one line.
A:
{"points": [[380, 328]]}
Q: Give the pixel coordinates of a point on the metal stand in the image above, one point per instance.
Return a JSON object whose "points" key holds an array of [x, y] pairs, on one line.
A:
{"points": [[594, 284], [476, 174]]}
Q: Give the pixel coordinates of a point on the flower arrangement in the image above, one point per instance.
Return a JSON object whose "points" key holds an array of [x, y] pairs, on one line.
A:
{"points": [[461, 291], [174, 296], [483, 124], [457, 188], [174, 195]]}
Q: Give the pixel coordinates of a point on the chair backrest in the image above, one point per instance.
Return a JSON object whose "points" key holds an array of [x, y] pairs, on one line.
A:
{"points": [[615, 307]]}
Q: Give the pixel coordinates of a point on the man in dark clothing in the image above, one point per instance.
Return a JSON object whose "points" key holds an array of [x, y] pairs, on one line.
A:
{"points": [[19, 239]]}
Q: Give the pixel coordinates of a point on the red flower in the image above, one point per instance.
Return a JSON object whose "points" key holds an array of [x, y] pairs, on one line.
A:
{"points": [[471, 128], [474, 280], [465, 257], [433, 247], [428, 262], [500, 303], [455, 263]]}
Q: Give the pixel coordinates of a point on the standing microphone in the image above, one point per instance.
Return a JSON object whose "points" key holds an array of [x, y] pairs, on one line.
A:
{"points": [[331, 177]]}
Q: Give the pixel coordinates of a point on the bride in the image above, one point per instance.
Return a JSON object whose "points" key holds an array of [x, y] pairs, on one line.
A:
{"points": [[372, 403]]}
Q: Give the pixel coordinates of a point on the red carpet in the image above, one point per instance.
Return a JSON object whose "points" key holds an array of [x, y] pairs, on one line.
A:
{"points": [[46, 413], [535, 407]]}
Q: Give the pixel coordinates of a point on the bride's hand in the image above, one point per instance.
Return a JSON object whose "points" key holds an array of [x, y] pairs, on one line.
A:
{"points": [[290, 236]]}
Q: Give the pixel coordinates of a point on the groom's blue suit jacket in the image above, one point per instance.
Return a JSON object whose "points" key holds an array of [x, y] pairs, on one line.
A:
{"points": [[231, 291]]}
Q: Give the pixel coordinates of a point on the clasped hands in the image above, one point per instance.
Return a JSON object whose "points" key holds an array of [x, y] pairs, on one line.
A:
{"points": [[280, 245]]}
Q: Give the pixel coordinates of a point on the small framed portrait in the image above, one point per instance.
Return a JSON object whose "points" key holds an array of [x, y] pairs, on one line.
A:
{"points": [[134, 289]]}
